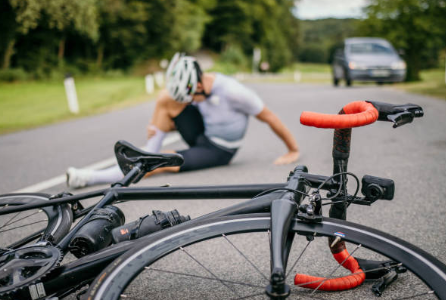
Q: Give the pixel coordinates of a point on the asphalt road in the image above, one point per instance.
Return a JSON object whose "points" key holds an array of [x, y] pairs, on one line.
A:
{"points": [[414, 156]]}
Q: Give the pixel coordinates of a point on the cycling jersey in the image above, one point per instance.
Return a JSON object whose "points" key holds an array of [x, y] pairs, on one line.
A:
{"points": [[226, 111]]}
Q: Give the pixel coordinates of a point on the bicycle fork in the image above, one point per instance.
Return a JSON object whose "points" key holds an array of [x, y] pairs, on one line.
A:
{"points": [[283, 211]]}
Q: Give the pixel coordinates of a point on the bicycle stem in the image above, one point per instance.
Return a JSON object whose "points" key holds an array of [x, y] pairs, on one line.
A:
{"points": [[340, 153]]}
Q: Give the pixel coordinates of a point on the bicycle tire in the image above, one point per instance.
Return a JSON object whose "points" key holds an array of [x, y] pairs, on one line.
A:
{"points": [[114, 279], [57, 225]]}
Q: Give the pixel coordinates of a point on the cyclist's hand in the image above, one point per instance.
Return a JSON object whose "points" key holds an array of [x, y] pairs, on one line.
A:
{"points": [[288, 158], [151, 131]]}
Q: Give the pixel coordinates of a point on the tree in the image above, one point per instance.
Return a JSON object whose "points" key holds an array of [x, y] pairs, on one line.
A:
{"points": [[414, 26], [123, 34], [80, 16], [177, 25], [18, 17], [245, 24]]}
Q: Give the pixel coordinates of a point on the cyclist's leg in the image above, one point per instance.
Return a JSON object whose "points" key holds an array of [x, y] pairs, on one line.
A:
{"points": [[198, 157], [229, 257], [205, 155], [17, 229], [161, 123]]}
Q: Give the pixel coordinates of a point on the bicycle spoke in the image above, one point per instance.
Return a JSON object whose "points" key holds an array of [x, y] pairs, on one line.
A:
{"points": [[25, 217], [188, 254], [13, 217], [24, 225], [203, 277], [337, 267], [295, 263], [244, 256]]}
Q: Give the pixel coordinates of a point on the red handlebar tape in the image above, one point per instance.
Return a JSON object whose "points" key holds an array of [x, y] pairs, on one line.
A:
{"points": [[357, 113], [335, 284]]}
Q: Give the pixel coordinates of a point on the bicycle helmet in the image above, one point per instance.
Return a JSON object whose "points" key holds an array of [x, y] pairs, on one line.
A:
{"points": [[182, 75]]}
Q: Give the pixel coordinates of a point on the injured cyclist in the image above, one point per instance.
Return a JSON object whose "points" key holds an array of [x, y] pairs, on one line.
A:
{"points": [[210, 111]]}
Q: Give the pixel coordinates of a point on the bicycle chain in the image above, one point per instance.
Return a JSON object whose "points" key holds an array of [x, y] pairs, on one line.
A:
{"points": [[21, 260]]}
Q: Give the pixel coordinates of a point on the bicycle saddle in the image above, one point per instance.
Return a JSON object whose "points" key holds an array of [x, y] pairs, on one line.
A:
{"points": [[128, 156]]}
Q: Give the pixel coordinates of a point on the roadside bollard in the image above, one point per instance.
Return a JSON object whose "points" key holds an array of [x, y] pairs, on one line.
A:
{"points": [[159, 79], [150, 84], [70, 90], [297, 76]]}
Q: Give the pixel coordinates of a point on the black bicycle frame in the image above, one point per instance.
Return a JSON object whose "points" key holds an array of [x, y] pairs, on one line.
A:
{"points": [[85, 269]]}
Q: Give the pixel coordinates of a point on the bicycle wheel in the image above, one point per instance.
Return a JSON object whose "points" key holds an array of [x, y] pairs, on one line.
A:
{"points": [[18, 229], [228, 258]]}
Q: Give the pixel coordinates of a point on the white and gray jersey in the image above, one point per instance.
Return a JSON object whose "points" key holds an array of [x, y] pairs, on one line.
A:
{"points": [[226, 112]]}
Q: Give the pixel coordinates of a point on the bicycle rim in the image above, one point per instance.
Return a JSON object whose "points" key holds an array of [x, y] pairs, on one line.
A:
{"points": [[21, 228], [228, 258]]}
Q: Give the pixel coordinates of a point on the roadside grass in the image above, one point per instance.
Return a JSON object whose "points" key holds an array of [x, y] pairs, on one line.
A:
{"points": [[26, 105], [297, 73], [31, 104], [432, 81], [432, 84]]}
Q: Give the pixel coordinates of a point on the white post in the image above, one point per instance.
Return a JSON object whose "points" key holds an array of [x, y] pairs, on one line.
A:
{"points": [[256, 56], [150, 84], [164, 63], [159, 79], [297, 76], [70, 90]]}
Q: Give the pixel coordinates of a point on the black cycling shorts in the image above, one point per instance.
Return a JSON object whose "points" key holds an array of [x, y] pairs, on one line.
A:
{"points": [[202, 152]]}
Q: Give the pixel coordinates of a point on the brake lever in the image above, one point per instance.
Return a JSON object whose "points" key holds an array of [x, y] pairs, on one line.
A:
{"points": [[400, 119], [398, 114]]}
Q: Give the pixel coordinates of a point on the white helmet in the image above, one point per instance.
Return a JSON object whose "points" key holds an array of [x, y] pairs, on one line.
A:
{"points": [[182, 76]]}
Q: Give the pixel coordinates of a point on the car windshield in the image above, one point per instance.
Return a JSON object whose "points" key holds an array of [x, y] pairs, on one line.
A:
{"points": [[370, 48]]}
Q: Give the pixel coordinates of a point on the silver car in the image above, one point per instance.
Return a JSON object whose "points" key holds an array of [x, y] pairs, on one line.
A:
{"points": [[367, 59]]}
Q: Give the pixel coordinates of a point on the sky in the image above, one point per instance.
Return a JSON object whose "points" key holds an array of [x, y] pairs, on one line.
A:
{"points": [[317, 9]]}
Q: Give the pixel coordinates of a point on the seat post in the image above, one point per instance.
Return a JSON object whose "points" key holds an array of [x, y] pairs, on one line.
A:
{"points": [[130, 177]]}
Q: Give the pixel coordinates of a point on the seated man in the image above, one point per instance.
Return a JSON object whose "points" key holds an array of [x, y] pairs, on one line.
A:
{"points": [[211, 113]]}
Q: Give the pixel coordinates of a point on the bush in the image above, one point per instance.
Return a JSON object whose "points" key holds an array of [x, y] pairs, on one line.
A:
{"points": [[234, 55], [11, 75], [313, 53]]}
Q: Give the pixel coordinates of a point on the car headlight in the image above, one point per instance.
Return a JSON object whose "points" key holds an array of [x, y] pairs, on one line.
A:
{"points": [[398, 65], [356, 66]]}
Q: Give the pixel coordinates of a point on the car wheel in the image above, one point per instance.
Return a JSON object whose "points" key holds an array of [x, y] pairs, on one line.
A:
{"points": [[335, 81], [348, 81]]}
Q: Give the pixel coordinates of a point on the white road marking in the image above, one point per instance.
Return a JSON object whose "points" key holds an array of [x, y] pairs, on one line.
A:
{"points": [[170, 139]]}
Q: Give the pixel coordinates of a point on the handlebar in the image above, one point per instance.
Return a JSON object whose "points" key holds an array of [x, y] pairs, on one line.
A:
{"points": [[354, 114], [361, 113]]}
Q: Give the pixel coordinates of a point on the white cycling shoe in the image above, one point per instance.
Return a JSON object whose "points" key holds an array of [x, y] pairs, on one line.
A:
{"points": [[78, 178]]}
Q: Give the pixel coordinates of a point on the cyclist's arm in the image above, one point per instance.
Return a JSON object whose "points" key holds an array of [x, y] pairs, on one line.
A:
{"points": [[267, 116]]}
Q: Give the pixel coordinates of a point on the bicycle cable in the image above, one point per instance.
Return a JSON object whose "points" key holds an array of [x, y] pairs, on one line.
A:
{"points": [[280, 189], [341, 186]]}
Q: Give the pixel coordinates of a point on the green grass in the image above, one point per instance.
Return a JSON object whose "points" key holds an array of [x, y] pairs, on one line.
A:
{"points": [[432, 84], [30, 104], [305, 72], [26, 105]]}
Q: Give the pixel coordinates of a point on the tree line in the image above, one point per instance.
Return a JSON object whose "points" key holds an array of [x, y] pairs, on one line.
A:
{"points": [[40, 36], [46, 36]]}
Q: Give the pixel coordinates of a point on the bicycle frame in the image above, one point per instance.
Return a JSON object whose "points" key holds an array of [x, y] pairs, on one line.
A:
{"points": [[85, 269], [283, 206]]}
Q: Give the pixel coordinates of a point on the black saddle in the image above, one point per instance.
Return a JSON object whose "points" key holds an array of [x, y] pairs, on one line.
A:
{"points": [[129, 156]]}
